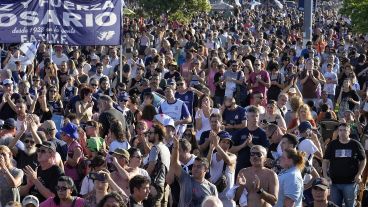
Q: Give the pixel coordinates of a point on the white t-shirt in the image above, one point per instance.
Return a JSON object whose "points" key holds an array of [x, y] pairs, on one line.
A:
{"points": [[330, 88], [116, 144], [59, 60], [87, 185]]}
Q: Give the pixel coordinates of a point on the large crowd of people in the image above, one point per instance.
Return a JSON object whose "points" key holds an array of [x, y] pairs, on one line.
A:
{"points": [[232, 109]]}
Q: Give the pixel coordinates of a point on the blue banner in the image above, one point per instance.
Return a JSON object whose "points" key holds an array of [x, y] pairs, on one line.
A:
{"points": [[71, 22]]}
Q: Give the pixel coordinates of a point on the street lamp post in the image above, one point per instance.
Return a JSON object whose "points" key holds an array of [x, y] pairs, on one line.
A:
{"points": [[308, 7]]}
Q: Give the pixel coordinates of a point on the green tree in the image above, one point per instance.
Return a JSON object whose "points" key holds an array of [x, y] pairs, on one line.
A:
{"points": [[357, 10], [181, 10]]}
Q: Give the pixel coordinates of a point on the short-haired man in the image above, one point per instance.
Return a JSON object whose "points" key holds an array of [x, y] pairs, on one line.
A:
{"points": [[247, 137], [343, 164], [320, 193], [139, 188], [108, 113], [261, 183], [193, 188], [176, 109]]}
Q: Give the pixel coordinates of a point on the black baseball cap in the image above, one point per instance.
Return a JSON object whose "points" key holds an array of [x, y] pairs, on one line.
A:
{"points": [[47, 144]]}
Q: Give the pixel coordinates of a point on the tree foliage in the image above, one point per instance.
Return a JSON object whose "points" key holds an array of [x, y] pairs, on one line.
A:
{"points": [[180, 10], [357, 10]]}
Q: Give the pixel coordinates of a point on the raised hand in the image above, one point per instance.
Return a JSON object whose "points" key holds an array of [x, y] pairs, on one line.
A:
{"points": [[241, 180]]}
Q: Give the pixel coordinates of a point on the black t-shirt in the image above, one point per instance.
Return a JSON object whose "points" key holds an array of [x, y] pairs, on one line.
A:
{"points": [[49, 178], [107, 116], [259, 138], [219, 91], [23, 160], [329, 204], [7, 112], [344, 160], [133, 203], [175, 75], [351, 94]]}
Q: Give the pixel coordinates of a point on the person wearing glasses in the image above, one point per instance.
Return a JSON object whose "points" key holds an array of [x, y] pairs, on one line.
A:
{"points": [[65, 195], [54, 101], [261, 183], [42, 181], [10, 177], [158, 165], [232, 78], [259, 79]]}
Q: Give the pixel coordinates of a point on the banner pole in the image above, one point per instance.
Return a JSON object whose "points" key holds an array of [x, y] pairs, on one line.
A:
{"points": [[121, 42], [121, 63]]}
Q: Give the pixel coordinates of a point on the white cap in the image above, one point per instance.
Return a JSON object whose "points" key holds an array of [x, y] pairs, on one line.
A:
{"points": [[7, 81], [169, 122], [30, 199]]}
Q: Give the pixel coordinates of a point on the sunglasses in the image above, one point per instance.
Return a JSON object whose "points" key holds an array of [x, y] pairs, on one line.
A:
{"points": [[255, 154], [94, 85], [61, 188], [29, 141], [257, 64]]}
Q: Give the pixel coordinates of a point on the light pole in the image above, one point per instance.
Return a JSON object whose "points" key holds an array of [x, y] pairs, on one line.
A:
{"points": [[308, 7]]}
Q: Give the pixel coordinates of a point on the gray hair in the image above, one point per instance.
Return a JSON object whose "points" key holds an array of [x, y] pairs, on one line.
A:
{"points": [[212, 201]]}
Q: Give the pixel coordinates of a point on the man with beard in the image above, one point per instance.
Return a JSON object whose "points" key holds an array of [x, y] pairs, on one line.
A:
{"points": [[99, 74], [28, 155], [158, 165], [108, 113]]}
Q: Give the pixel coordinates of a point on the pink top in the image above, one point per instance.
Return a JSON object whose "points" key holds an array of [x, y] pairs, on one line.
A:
{"points": [[69, 170], [265, 77], [211, 80], [50, 203]]}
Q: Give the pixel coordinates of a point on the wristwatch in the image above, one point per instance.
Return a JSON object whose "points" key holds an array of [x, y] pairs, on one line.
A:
{"points": [[260, 191]]}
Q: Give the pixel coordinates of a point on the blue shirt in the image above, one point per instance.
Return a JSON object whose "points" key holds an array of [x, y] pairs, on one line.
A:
{"points": [[233, 117], [189, 99], [291, 186]]}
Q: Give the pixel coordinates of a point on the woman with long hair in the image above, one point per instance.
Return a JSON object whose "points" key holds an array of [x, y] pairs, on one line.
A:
{"points": [[211, 74], [117, 137], [304, 114], [290, 178], [348, 98], [84, 107], [10, 177], [50, 77], [54, 101], [272, 116], [103, 185], [135, 163], [202, 118], [295, 103], [65, 195], [190, 135]]}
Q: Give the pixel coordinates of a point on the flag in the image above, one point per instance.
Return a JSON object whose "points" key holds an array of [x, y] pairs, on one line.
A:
{"points": [[29, 50]]}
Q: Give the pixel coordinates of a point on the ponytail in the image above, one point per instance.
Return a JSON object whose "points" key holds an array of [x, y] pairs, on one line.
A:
{"points": [[297, 157]]}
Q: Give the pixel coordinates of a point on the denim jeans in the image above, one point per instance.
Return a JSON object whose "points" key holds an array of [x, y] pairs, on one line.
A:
{"points": [[346, 192]]}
